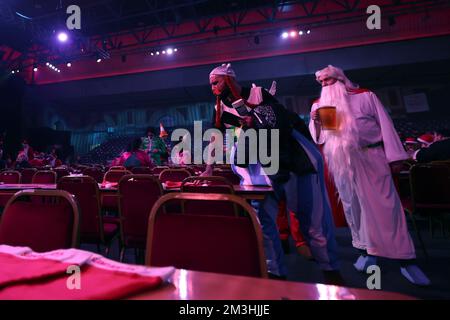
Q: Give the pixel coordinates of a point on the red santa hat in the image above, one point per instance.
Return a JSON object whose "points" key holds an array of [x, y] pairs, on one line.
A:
{"points": [[410, 141], [162, 131], [426, 138], [336, 73]]}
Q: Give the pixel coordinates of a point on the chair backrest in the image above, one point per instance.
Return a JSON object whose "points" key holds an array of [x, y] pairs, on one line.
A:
{"points": [[175, 175], [137, 195], [115, 175], [117, 168], [210, 243], [159, 169], [27, 175], [61, 172], [430, 186], [44, 176], [86, 192], [229, 175], [141, 170], [218, 185], [10, 177], [43, 220], [95, 173]]}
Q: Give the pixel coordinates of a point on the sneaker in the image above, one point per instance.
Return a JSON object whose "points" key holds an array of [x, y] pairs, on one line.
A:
{"points": [[364, 262], [415, 275], [360, 263]]}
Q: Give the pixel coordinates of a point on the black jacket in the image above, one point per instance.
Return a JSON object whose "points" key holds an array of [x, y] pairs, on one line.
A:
{"points": [[271, 114], [438, 151]]}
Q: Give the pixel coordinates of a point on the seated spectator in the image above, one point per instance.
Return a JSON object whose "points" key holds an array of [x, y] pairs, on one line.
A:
{"points": [[425, 140], [22, 161], [134, 157], [438, 150], [28, 150], [411, 146]]}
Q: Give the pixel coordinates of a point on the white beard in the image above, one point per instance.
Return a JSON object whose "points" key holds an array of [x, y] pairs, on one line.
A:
{"points": [[340, 145]]}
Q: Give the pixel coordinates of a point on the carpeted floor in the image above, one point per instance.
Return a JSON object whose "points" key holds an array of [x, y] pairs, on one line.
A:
{"points": [[437, 267]]}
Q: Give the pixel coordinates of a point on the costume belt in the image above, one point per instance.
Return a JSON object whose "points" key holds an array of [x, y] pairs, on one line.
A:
{"points": [[373, 145]]}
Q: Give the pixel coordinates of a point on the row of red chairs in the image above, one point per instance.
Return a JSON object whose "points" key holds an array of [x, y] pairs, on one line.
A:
{"points": [[196, 235], [31, 176]]}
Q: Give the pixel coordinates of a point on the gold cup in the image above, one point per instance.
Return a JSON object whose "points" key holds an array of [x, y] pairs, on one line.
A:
{"points": [[327, 116]]}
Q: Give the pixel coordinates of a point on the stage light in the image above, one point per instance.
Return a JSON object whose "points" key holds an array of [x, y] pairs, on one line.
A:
{"points": [[308, 32], [157, 53], [59, 70], [35, 69], [175, 50], [13, 72], [62, 37], [17, 71], [69, 64], [285, 35], [293, 34], [152, 54], [169, 51], [47, 64], [164, 52], [99, 60], [300, 32]]}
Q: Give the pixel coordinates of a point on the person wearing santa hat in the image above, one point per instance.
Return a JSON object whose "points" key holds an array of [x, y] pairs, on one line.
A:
{"points": [[411, 146], [359, 153], [425, 140], [154, 146], [165, 138], [436, 147], [299, 180]]}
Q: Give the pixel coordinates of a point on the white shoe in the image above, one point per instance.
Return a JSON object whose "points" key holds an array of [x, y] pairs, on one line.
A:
{"points": [[415, 275], [364, 262]]}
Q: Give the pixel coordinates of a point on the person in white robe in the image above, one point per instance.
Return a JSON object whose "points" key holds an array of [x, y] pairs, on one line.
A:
{"points": [[359, 153]]}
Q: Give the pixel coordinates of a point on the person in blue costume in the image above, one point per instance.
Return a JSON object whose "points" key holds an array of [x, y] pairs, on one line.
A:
{"points": [[299, 179]]}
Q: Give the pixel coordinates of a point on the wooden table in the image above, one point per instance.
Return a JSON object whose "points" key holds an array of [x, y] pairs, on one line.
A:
{"points": [[195, 285], [246, 192]]}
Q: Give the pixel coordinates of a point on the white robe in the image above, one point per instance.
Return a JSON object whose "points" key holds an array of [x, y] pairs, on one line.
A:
{"points": [[372, 208]]}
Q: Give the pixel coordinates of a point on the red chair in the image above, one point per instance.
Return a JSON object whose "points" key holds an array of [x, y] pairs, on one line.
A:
{"points": [[173, 175], [43, 220], [27, 175], [158, 170], [95, 173], [227, 174], [137, 194], [10, 177], [209, 243], [430, 196], [208, 185], [141, 170], [44, 177], [110, 202], [92, 227], [113, 176]]}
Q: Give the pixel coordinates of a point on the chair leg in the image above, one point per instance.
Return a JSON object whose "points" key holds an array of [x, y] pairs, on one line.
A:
{"points": [[107, 249], [422, 244], [122, 253]]}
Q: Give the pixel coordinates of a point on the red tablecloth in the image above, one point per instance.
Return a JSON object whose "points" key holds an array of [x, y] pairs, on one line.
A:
{"points": [[32, 276]]}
